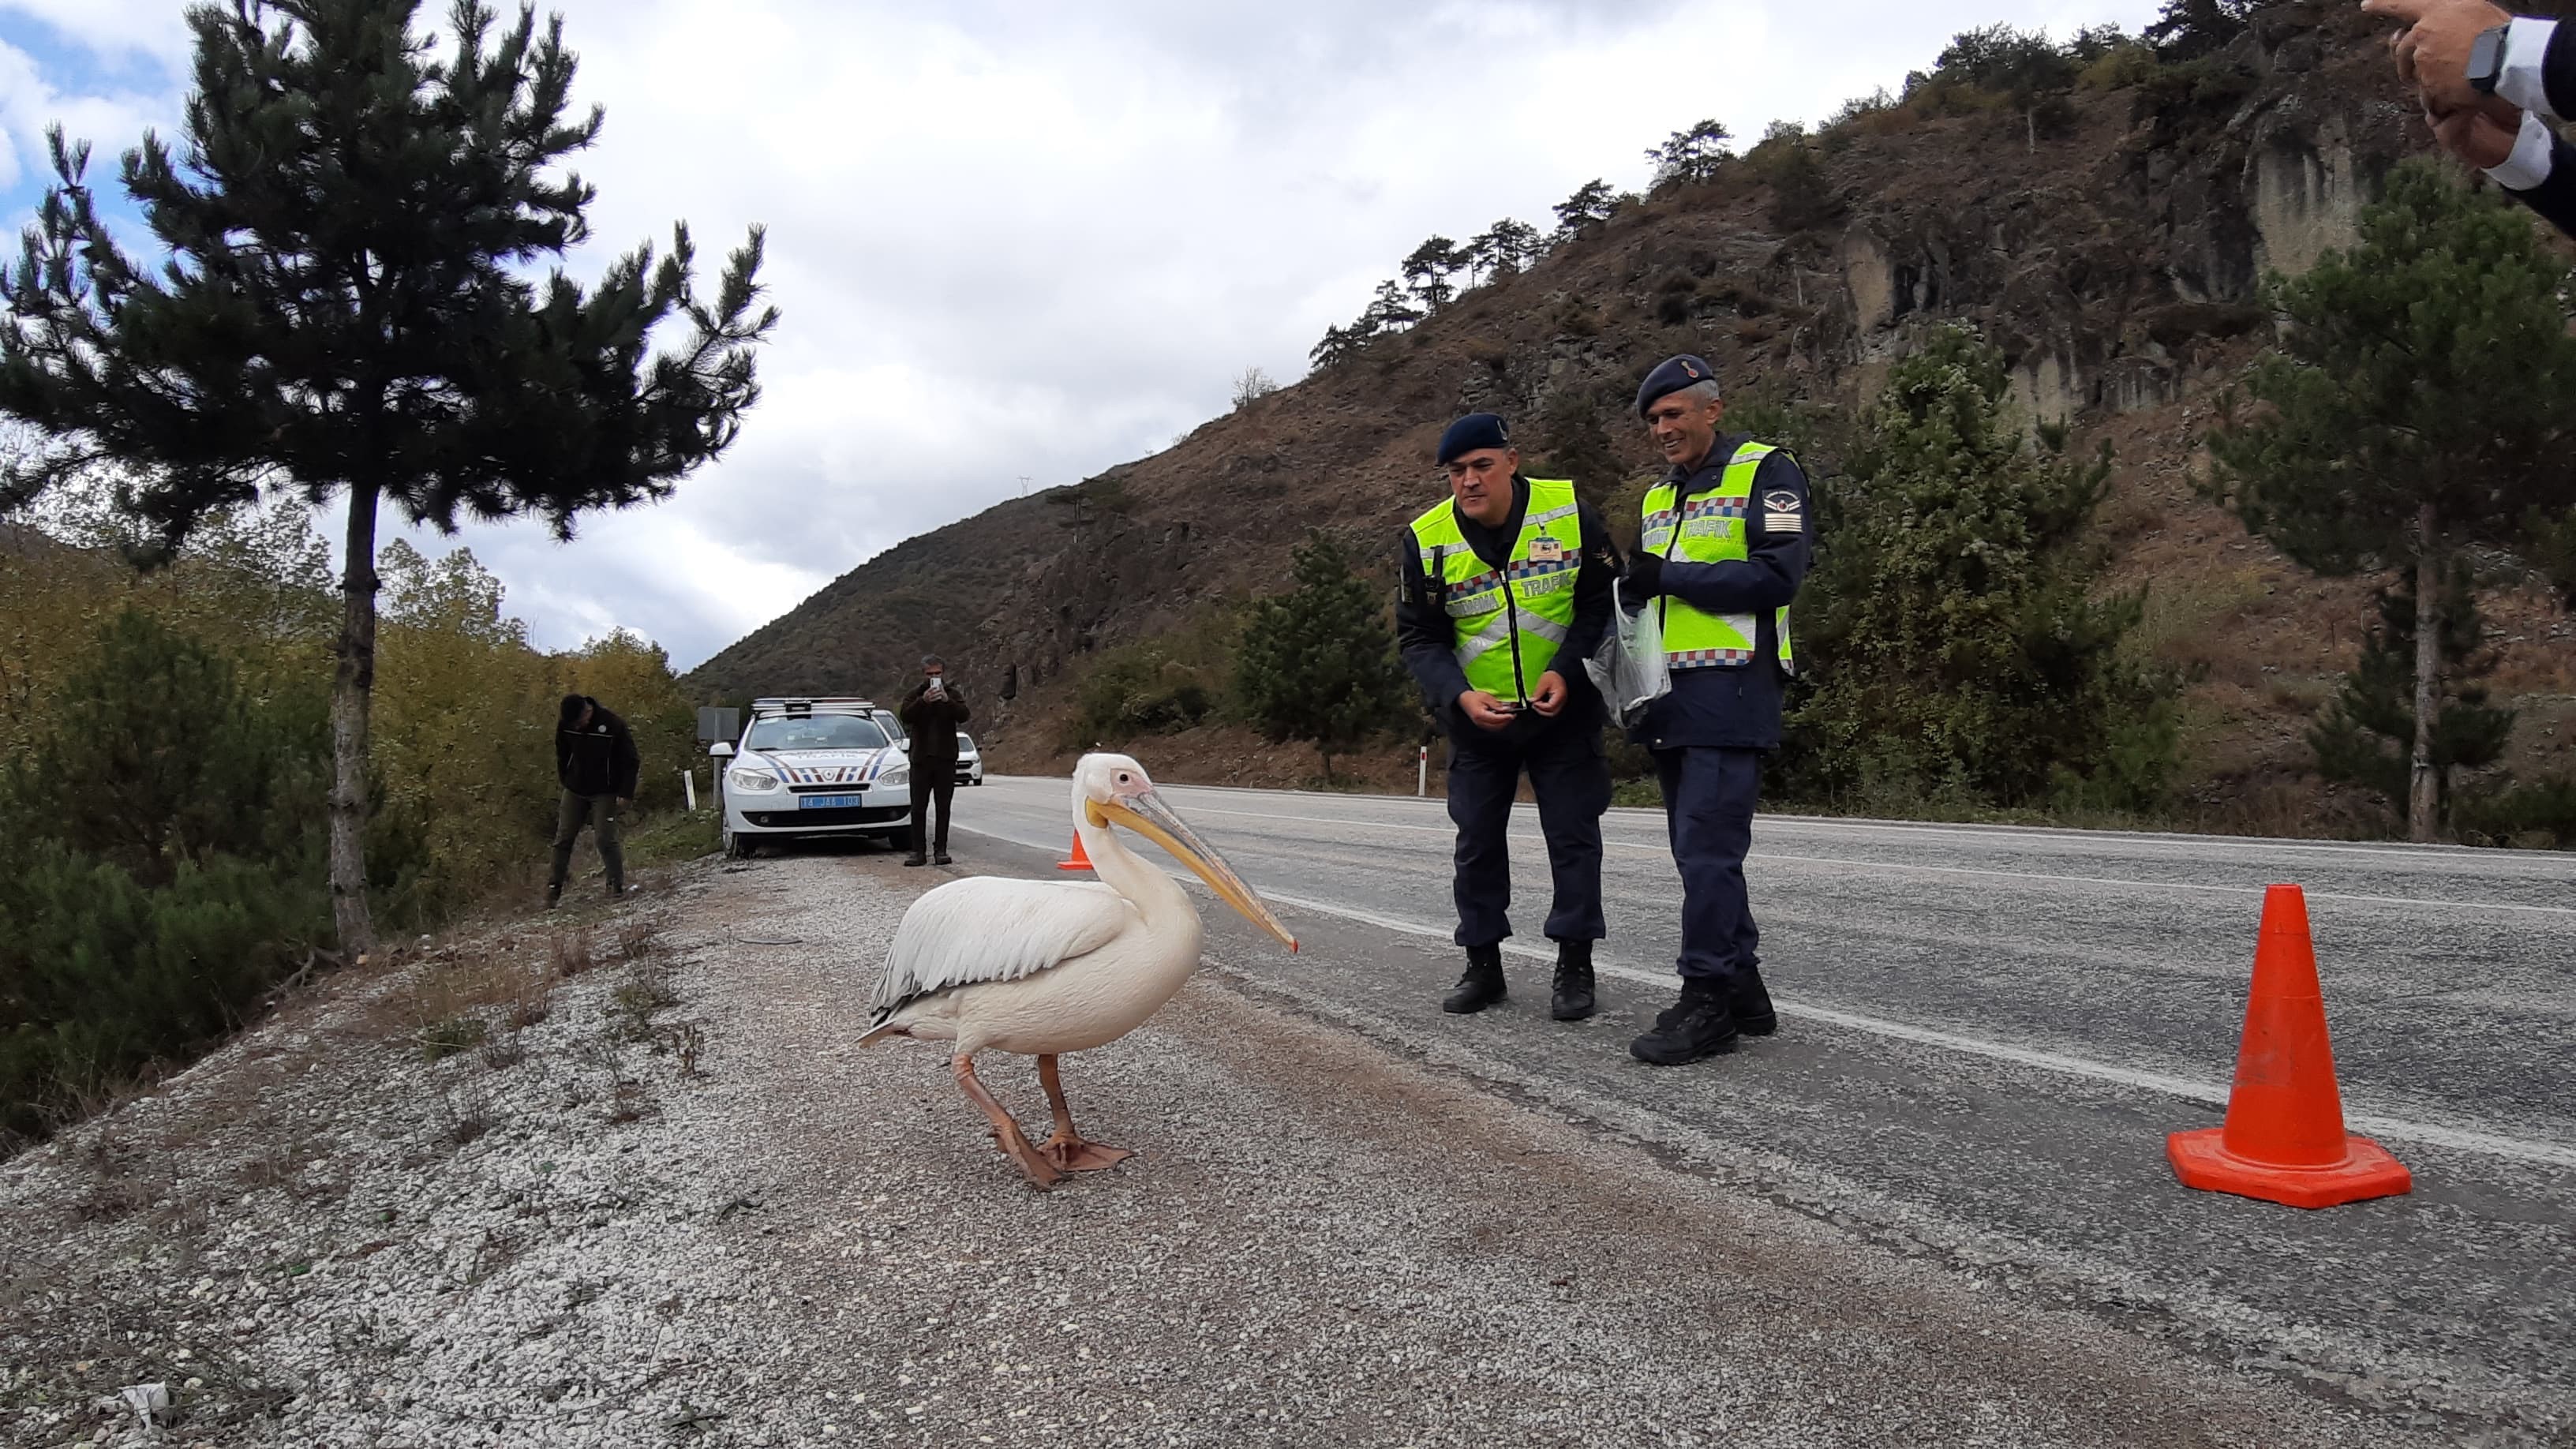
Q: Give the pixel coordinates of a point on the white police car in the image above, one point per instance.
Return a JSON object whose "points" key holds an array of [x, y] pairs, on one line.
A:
{"points": [[812, 768], [970, 760]]}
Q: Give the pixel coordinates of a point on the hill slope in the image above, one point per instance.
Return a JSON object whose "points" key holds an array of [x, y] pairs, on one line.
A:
{"points": [[2116, 259]]}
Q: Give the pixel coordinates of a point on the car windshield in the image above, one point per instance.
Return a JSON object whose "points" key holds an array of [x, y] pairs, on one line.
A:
{"points": [[816, 732], [964, 743]]}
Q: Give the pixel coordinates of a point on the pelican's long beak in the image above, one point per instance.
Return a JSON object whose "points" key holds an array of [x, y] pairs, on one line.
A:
{"points": [[1149, 817]]}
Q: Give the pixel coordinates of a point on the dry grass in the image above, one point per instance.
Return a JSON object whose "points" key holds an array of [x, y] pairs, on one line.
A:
{"points": [[570, 953], [457, 1034]]}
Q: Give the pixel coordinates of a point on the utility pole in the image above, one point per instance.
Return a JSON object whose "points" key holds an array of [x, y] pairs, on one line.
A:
{"points": [[1024, 485]]}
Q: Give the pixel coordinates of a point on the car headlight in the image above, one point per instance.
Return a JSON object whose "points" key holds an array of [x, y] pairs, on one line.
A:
{"points": [[751, 781], [896, 775]]}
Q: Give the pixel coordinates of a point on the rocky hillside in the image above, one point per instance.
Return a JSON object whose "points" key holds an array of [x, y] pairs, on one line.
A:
{"points": [[2116, 257]]}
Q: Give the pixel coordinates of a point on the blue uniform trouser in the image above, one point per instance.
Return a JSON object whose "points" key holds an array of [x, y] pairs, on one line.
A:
{"points": [[1708, 807], [1571, 778]]}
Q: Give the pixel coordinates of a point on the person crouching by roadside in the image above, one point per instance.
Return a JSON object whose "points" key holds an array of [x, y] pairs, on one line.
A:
{"points": [[932, 711], [596, 761]]}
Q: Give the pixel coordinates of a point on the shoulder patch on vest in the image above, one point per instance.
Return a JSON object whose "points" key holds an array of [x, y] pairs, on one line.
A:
{"points": [[1782, 500]]}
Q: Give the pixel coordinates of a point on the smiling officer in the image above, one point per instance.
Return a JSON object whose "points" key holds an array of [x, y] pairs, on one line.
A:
{"points": [[1725, 543], [1504, 590]]}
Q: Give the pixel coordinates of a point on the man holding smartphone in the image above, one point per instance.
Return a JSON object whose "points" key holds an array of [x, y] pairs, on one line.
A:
{"points": [[1503, 591], [932, 711]]}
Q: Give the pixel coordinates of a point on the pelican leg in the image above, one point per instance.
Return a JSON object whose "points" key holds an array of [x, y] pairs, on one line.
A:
{"points": [[1067, 1149], [1006, 1130]]}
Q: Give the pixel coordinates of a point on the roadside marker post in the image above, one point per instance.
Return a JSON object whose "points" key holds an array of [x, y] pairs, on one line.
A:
{"points": [[1422, 772], [689, 787]]}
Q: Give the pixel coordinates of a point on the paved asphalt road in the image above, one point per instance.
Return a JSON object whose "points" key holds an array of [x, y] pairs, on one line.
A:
{"points": [[1987, 1033]]}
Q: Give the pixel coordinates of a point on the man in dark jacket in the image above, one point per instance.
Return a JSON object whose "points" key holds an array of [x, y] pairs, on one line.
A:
{"points": [[932, 712], [596, 761], [1503, 591], [1723, 546]]}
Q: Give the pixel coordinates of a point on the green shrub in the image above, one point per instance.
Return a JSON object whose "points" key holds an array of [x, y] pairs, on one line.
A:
{"points": [[152, 754], [2538, 813], [102, 975], [1137, 690], [1954, 644], [1318, 663], [158, 866], [2130, 63]]}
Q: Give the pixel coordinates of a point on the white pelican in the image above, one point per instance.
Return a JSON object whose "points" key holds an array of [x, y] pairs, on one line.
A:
{"points": [[1043, 967]]}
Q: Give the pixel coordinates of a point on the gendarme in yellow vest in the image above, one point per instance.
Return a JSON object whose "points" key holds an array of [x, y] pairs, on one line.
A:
{"points": [[1709, 530], [1508, 621]]}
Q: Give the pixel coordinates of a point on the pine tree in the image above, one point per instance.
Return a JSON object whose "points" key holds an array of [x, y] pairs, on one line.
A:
{"points": [[1950, 631], [2422, 400], [2190, 29], [1510, 246], [1428, 270], [2366, 734], [347, 308], [1691, 155], [1318, 663], [1591, 204]]}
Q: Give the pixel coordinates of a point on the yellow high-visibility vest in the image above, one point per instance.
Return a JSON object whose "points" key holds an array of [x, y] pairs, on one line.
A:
{"points": [[1508, 621], [1710, 529]]}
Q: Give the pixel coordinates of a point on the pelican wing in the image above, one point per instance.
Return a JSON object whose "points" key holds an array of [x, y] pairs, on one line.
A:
{"points": [[989, 928]]}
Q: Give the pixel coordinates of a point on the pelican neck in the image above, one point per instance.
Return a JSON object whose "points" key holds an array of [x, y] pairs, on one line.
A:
{"points": [[1127, 872]]}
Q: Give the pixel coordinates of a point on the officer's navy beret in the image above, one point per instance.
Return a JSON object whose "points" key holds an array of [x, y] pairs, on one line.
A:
{"points": [[1672, 375], [1472, 433]]}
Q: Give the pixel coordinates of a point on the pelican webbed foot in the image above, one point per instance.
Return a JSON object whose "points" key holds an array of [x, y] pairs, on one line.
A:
{"points": [[1073, 1154], [1006, 1132], [1067, 1149]]}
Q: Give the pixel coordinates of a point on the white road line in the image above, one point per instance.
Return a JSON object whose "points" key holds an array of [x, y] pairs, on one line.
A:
{"points": [[2437, 1134], [1871, 865], [2391, 851]]}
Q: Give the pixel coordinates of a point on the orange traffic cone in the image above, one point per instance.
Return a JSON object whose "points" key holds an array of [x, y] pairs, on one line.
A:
{"points": [[1078, 860], [2284, 1140]]}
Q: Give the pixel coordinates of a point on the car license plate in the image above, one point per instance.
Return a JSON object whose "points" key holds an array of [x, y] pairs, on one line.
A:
{"points": [[827, 802]]}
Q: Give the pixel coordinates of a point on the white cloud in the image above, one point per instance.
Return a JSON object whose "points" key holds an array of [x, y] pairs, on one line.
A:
{"points": [[1013, 238]]}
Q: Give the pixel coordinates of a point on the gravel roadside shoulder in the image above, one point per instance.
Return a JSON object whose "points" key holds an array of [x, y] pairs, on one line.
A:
{"points": [[673, 1204]]}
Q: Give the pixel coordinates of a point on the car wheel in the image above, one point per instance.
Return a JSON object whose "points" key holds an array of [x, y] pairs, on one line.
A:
{"points": [[737, 846]]}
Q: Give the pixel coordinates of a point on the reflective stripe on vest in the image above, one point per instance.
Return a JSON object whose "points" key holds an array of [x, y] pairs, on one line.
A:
{"points": [[1508, 621], [1710, 529]]}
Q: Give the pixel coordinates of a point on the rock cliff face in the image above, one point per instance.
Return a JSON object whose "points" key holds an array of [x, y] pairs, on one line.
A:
{"points": [[2117, 260]]}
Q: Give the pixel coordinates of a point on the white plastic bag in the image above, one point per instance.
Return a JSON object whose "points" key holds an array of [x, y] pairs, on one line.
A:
{"points": [[1628, 668]]}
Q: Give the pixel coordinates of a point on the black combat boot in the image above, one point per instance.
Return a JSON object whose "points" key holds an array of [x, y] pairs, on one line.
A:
{"points": [[1699, 1025], [916, 858], [1752, 1005], [1482, 986], [1572, 1000]]}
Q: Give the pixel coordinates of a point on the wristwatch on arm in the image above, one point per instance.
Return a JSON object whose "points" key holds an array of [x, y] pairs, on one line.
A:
{"points": [[2511, 61]]}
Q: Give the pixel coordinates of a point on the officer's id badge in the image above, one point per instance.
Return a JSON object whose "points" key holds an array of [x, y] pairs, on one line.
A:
{"points": [[1544, 549], [1782, 511]]}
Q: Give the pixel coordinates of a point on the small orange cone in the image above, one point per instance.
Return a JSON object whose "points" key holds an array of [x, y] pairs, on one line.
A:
{"points": [[2284, 1140], [1078, 860]]}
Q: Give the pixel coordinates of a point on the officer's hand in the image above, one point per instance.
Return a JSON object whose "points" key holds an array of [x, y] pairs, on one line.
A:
{"points": [[2433, 50], [1550, 698], [1485, 711], [2484, 138], [1645, 575]]}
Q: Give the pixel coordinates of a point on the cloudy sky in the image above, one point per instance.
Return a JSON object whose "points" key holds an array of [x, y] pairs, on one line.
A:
{"points": [[1019, 241]]}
